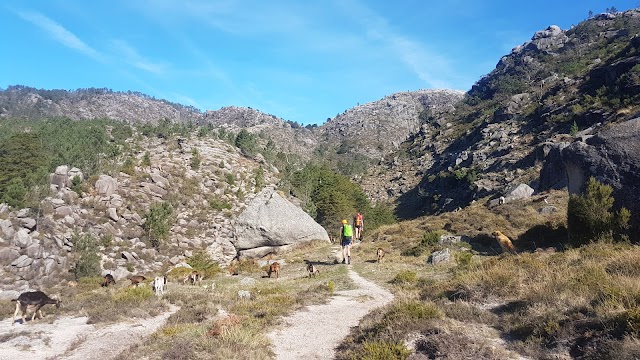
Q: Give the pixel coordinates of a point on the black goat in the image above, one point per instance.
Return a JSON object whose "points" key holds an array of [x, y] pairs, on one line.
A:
{"points": [[32, 298], [108, 280]]}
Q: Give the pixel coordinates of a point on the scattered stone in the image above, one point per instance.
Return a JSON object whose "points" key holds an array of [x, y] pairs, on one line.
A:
{"points": [[438, 257]]}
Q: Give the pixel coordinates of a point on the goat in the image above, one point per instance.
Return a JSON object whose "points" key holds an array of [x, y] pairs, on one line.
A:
{"points": [[311, 269], [159, 284], [136, 280], [193, 277], [274, 268], [380, 254], [32, 298], [108, 280]]}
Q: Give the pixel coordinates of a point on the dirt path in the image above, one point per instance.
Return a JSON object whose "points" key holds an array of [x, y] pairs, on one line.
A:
{"points": [[314, 333], [72, 338]]}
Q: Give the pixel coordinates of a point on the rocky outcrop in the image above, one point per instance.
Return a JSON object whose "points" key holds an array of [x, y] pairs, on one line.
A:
{"points": [[37, 246], [613, 158], [377, 128], [270, 221]]}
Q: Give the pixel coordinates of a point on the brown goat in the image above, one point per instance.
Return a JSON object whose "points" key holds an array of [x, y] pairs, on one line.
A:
{"points": [[193, 278], [274, 268], [136, 280], [32, 298], [380, 254]]}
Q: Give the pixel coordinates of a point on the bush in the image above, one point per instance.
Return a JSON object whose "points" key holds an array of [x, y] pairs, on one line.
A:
{"points": [[428, 242], [382, 350], [405, 277], [133, 295], [88, 263], [202, 262], [246, 142], [589, 217], [157, 223], [195, 159], [215, 203]]}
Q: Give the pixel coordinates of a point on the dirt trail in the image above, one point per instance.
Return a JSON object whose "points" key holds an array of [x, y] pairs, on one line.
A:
{"points": [[71, 338], [314, 332]]}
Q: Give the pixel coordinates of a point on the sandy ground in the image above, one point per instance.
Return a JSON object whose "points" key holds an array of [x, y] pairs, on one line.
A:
{"points": [[315, 332], [72, 338]]}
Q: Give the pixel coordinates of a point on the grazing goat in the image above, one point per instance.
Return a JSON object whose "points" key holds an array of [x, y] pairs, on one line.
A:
{"points": [[311, 269], [274, 268], [159, 284], [108, 280], [136, 279], [380, 254], [32, 298], [193, 278]]}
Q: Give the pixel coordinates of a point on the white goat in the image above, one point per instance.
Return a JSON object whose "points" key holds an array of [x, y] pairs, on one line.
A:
{"points": [[159, 285]]}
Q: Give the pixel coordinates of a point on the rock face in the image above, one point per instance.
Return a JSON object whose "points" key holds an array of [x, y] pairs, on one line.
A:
{"points": [[377, 128], [272, 221], [613, 158]]}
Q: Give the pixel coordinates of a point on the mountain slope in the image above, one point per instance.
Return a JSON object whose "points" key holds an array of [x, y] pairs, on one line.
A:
{"points": [[587, 76]]}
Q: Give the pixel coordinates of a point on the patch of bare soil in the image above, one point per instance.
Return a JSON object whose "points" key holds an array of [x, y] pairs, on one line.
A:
{"points": [[72, 338], [315, 332]]}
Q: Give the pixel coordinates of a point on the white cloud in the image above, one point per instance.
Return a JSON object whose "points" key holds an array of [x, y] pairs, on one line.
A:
{"points": [[430, 67], [132, 57], [62, 35]]}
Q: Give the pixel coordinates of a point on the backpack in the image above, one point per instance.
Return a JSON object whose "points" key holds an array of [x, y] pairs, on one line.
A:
{"points": [[358, 219], [347, 230]]}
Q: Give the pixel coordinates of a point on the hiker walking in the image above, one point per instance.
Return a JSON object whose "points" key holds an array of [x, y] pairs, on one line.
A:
{"points": [[346, 234], [358, 225]]}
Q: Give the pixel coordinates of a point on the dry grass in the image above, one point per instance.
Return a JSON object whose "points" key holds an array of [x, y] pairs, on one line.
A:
{"points": [[213, 322], [582, 303]]}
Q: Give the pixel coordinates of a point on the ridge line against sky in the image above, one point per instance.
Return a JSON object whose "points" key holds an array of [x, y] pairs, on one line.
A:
{"points": [[300, 61]]}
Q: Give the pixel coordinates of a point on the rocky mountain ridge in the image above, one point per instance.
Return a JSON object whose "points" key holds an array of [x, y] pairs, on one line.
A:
{"points": [[562, 86]]}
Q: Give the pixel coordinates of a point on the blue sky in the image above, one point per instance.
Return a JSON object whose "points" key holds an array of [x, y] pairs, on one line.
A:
{"points": [[300, 60]]}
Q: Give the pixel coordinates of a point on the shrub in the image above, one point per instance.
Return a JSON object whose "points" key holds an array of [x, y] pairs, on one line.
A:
{"points": [[381, 350], [463, 258], [405, 277], [88, 263], [218, 204], [246, 142], [133, 295], [128, 167], [589, 217], [428, 242], [157, 223], [331, 286], [146, 160], [195, 159], [202, 262], [413, 310]]}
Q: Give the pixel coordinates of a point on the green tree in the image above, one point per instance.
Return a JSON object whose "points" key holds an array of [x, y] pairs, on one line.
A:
{"points": [[258, 175], [246, 142], [574, 129], [88, 261], [157, 223], [330, 197], [589, 216], [21, 157], [14, 193]]}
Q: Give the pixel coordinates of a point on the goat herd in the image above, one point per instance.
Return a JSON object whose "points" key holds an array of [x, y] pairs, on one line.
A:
{"points": [[38, 299]]}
